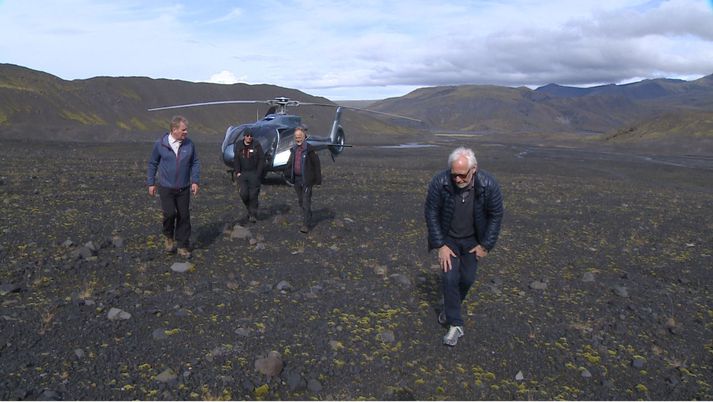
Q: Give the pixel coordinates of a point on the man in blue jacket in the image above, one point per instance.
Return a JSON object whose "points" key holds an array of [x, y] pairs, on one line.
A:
{"points": [[174, 157], [463, 209]]}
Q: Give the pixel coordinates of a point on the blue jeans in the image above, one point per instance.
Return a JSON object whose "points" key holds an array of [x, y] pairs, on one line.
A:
{"points": [[460, 278]]}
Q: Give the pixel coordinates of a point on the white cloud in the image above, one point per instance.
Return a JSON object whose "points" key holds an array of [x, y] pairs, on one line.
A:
{"points": [[223, 77], [355, 47], [233, 14]]}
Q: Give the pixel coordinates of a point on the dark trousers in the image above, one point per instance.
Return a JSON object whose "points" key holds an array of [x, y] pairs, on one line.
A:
{"points": [[176, 215], [460, 278], [304, 197], [249, 189]]}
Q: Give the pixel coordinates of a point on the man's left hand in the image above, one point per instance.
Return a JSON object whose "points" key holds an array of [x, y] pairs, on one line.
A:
{"points": [[479, 251], [194, 188]]}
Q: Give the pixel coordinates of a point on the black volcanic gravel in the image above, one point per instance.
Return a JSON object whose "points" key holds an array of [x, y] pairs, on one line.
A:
{"points": [[599, 288]]}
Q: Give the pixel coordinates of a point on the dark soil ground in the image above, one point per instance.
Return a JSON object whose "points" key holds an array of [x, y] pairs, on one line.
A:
{"points": [[600, 287]]}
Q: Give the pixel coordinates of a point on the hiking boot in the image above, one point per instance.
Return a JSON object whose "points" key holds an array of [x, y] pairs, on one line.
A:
{"points": [[168, 245], [304, 229], [184, 253], [451, 337], [252, 219], [442, 319]]}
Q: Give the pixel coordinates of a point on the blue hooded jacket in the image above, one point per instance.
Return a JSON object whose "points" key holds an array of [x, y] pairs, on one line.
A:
{"points": [[174, 171]]}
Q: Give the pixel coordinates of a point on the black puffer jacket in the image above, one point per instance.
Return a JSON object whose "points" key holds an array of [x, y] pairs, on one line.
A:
{"points": [[248, 157], [487, 209]]}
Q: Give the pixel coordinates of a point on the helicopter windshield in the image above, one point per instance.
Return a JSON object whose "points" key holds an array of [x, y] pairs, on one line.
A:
{"points": [[265, 135]]}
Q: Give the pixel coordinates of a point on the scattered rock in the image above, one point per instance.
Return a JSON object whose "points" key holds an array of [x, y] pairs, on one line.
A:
{"points": [[117, 241], [538, 285], [400, 394], [167, 375], [519, 376], [283, 286], [585, 373], [381, 270], [159, 334], [314, 385], [387, 336], [280, 220], [68, 243], [244, 332], [9, 288], [620, 291], [295, 382], [49, 395], [240, 233], [588, 277], [670, 323], [79, 353], [672, 326], [248, 385], [181, 267], [82, 253], [271, 365], [401, 279], [638, 362], [336, 345], [117, 314]]}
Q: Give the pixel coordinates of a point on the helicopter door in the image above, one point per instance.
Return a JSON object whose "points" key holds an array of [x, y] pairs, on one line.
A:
{"points": [[285, 141]]}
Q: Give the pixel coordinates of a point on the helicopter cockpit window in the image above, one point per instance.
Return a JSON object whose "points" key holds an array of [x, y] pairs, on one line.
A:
{"points": [[265, 136]]}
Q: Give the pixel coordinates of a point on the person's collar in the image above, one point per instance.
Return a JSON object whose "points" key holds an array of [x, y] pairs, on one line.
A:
{"points": [[172, 140]]}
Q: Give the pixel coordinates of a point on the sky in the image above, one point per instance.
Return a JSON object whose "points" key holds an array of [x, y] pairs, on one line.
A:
{"points": [[363, 49]]}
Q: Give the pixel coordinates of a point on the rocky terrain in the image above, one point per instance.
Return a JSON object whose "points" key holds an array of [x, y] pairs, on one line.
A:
{"points": [[600, 287]]}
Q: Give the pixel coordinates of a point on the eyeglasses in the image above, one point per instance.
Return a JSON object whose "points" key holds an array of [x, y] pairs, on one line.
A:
{"points": [[462, 176], [248, 134]]}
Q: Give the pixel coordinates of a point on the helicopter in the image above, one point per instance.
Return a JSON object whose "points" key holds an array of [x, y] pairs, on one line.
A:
{"points": [[275, 131]]}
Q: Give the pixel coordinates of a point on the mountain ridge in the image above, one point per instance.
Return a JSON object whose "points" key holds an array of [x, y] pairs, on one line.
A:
{"points": [[35, 104]]}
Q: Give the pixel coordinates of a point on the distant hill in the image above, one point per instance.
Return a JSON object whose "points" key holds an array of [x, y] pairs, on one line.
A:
{"points": [[665, 107], [668, 112], [34, 104]]}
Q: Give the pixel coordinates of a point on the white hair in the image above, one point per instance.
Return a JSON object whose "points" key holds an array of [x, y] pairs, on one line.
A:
{"points": [[463, 152]]}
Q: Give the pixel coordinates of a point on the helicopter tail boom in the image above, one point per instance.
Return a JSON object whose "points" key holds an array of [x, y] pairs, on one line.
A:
{"points": [[336, 136]]}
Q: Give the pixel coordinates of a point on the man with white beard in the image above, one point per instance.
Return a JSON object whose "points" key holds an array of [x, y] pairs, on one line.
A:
{"points": [[463, 210]]}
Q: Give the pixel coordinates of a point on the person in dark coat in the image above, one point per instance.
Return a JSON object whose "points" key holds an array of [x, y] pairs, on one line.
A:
{"points": [[175, 160], [463, 211], [249, 163], [303, 169]]}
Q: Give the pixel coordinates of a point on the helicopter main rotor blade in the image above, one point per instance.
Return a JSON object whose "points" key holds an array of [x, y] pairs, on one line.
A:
{"points": [[297, 103], [206, 104], [384, 113]]}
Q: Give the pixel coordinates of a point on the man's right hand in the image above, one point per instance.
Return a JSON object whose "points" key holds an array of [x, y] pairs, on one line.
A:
{"points": [[444, 257], [152, 191]]}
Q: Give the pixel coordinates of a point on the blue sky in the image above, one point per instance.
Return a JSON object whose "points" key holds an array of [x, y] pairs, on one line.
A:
{"points": [[362, 49]]}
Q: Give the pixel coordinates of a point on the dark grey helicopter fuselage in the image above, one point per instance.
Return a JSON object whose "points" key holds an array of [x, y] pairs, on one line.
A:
{"points": [[275, 133]]}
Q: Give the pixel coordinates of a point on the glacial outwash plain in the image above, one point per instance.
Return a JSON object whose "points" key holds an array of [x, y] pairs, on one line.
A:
{"points": [[599, 288]]}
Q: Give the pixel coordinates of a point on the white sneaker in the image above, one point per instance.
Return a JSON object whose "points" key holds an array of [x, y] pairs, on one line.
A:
{"points": [[451, 337]]}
